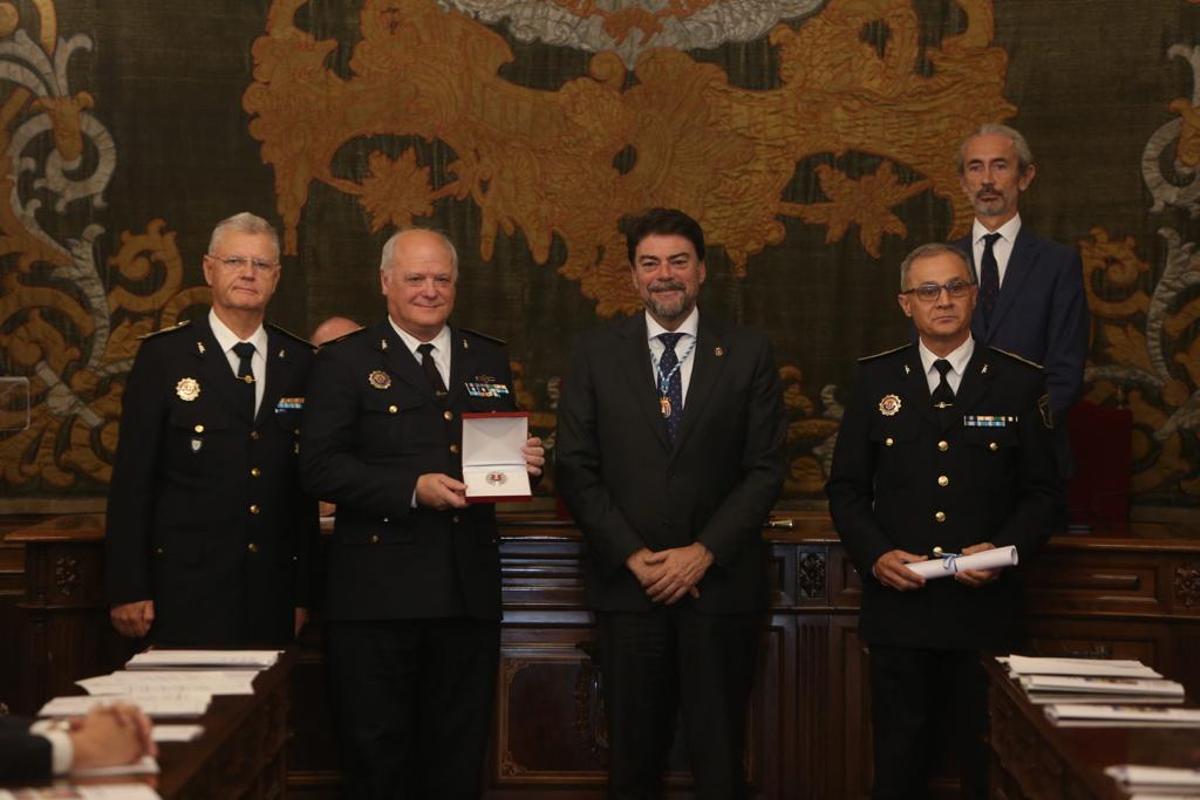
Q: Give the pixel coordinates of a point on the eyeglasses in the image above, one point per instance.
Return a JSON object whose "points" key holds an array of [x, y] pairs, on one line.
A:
{"points": [[929, 292], [237, 263]]}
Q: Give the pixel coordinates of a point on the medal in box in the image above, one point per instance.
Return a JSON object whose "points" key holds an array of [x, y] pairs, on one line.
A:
{"points": [[492, 462]]}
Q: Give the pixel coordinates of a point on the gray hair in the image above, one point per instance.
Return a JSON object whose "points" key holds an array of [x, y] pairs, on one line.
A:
{"points": [[389, 248], [927, 250], [1024, 154], [244, 222]]}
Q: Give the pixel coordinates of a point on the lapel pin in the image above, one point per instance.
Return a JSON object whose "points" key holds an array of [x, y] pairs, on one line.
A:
{"points": [[379, 379], [984, 370], [889, 405], [200, 347], [281, 352], [188, 389], [906, 369], [466, 345], [383, 344], [718, 351]]}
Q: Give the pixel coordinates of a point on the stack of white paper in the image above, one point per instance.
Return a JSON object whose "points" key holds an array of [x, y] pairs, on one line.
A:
{"points": [[176, 733], [1112, 668], [179, 704], [144, 766], [1042, 689], [204, 659], [151, 682], [1158, 782], [1080, 715], [111, 791]]}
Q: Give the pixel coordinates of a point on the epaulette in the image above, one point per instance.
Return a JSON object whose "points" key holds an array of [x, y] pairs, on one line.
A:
{"points": [[289, 334], [863, 359], [484, 336], [1022, 359], [343, 337], [178, 326]]}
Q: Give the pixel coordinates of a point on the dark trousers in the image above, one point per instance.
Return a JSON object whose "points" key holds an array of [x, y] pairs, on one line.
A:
{"points": [[676, 659], [413, 702], [916, 695]]}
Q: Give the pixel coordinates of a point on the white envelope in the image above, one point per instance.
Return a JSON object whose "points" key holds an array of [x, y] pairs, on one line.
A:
{"points": [[493, 464]]}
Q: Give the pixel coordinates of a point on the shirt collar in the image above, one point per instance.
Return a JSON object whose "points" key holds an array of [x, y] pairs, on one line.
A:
{"points": [[441, 342], [958, 358], [689, 326], [227, 338], [1008, 231]]}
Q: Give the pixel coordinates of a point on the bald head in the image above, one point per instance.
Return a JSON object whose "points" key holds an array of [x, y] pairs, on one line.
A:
{"points": [[333, 328]]}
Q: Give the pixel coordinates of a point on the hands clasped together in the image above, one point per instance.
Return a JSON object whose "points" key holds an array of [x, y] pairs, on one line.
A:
{"points": [[111, 735], [667, 575]]}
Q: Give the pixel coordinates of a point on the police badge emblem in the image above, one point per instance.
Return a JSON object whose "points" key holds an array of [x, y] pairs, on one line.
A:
{"points": [[889, 405], [379, 379], [188, 389], [496, 478]]}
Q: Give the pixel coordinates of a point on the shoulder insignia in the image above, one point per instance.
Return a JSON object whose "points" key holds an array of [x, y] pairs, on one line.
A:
{"points": [[341, 338], [178, 326], [874, 356], [484, 336], [1022, 359], [289, 334]]}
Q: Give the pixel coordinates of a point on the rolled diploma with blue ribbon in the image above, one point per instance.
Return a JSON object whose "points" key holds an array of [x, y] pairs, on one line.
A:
{"points": [[946, 566]]}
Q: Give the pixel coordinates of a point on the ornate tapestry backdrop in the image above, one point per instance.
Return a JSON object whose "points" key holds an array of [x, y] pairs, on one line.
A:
{"points": [[813, 139]]}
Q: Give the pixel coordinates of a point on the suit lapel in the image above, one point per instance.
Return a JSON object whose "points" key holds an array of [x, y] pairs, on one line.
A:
{"points": [[214, 366], [279, 357], [634, 355], [398, 360], [1020, 264], [973, 384], [462, 364], [916, 385], [706, 371]]}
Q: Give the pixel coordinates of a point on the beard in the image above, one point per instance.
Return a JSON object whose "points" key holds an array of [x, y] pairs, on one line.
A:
{"points": [[993, 206], [673, 308]]}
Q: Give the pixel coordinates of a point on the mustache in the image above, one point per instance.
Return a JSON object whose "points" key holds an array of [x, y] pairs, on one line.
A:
{"points": [[669, 285]]}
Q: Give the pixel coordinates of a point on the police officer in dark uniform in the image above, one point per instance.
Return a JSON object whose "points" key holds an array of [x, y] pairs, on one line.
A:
{"points": [[413, 597], [946, 447], [208, 532]]}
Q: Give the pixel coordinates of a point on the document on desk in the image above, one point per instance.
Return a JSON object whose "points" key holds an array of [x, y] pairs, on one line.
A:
{"points": [[176, 733], [146, 681], [111, 791], [1101, 684], [204, 659], [180, 704], [1155, 780], [1078, 715], [1113, 668]]}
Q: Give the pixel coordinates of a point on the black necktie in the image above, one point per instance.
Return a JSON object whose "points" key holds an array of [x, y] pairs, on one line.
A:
{"points": [[943, 395], [431, 370], [989, 277], [245, 373], [670, 385]]}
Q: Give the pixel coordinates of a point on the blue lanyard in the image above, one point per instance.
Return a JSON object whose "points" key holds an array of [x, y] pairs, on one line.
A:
{"points": [[664, 381]]}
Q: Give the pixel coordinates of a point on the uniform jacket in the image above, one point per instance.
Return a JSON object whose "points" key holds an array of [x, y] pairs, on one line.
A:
{"points": [[372, 427], [1041, 313], [628, 488], [205, 512], [987, 467], [23, 755]]}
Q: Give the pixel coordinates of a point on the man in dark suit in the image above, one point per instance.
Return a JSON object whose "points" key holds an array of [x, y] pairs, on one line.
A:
{"points": [[108, 736], [670, 456], [413, 602], [209, 534], [1031, 298], [945, 447]]}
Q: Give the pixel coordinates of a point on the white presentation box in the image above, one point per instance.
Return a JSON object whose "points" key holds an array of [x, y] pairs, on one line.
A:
{"points": [[493, 464]]}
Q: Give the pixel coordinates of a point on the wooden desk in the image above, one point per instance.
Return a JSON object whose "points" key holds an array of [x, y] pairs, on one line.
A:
{"points": [[1033, 759]]}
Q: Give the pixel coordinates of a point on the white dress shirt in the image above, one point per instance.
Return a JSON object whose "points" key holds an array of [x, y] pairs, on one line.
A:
{"points": [[440, 352], [1003, 247], [958, 358], [684, 347], [258, 362]]}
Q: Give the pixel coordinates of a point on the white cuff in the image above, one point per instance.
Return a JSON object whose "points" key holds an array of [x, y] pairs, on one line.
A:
{"points": [[62, 751]]}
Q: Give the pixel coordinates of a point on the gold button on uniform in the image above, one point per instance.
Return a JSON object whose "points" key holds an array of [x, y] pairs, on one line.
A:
{"points": [[454, 448], [889, 441], [254, 509], [943, 445], [943, 480], [392, 409], [158, 550], [447, 415], [252, 547], [199, 429], [993, 446], [454, 519], [255, 435], [255, 472], [940, 516], [374, 538]]}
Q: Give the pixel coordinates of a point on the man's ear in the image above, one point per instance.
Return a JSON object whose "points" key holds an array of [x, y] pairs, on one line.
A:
{"points": [[905, 304], [1026, 177]]}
